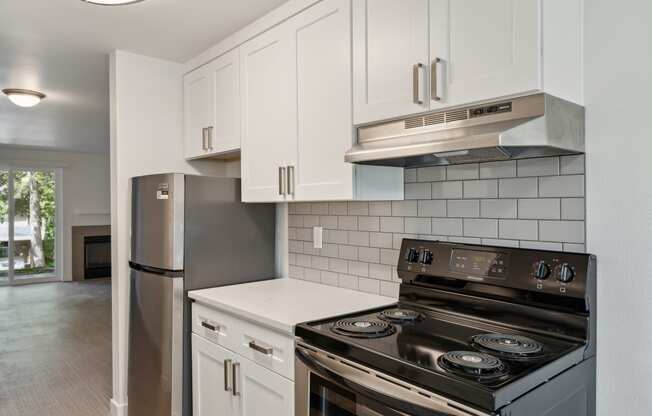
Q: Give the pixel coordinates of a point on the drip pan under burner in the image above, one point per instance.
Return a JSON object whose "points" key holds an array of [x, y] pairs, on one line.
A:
{"points": [[400, 315], [508, 346], [472, 364], [363, 328]]}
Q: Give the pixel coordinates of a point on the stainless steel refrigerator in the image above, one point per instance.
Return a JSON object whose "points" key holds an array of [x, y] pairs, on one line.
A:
{"points": [[188, 232]]}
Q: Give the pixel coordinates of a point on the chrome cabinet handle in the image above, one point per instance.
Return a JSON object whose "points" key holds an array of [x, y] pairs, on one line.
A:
{"points": [[212, 327], [203, 139], [290, 180], [433, 80], [236, 367], [227, 379], [281, 180], [209, 133], [415, 84], [262, 350]]}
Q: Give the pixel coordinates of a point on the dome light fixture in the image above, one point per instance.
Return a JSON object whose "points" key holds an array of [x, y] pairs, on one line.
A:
{"points": [[23, 98], [112, 2]]}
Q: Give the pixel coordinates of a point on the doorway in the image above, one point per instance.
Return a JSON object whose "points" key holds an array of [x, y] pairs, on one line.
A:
{"points": [[29, 226]]}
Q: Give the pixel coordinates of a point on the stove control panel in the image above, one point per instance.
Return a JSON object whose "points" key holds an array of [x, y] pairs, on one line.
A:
{"points": [[546, 272]]}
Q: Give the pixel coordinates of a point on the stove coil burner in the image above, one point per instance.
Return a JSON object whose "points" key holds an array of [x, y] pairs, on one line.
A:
{"points": [[400, 315], [472, 364], [363, 328], [508, 346]]}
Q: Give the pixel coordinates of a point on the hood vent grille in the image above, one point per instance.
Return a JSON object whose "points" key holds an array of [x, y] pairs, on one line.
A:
{"points": [[435, 119], [413, 123], [458, 115]]}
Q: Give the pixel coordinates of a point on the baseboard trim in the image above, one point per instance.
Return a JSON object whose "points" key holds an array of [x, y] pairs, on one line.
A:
{"points": [[118, 409]]}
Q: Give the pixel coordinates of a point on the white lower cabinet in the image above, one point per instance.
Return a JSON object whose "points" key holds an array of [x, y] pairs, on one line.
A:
{"points": [[226, 383]]}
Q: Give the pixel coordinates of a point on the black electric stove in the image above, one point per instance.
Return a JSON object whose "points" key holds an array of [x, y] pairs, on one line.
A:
{"points": [[487, 327]]}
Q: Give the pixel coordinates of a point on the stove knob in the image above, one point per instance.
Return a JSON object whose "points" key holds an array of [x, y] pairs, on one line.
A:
{"points": [[425, 257], [412, 255], [566, 273], [541, 270]]}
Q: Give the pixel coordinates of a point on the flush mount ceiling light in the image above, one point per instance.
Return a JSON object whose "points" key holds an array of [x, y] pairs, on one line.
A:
{"points": [[112, 2], [24, 98]]}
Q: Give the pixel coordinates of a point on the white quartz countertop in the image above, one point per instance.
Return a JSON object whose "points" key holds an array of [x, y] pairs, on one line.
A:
{"points": [[283, 303]]}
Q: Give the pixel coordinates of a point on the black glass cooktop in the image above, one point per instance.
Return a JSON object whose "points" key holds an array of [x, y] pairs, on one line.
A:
{"points": [[444, 352]]}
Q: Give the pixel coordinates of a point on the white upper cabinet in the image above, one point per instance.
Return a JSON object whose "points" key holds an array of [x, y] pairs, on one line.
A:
{"points": [[476, 50], [484, 49], [390, 58], [297, 113], [198, 110], [212, 108], [268, 85]]}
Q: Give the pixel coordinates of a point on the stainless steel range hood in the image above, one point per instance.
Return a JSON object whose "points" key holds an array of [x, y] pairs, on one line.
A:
{"points": [[530, 126]]}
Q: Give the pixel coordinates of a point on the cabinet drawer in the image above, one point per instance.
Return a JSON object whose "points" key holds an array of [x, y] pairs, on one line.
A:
{"points": [[269, 348], [215, 325]]}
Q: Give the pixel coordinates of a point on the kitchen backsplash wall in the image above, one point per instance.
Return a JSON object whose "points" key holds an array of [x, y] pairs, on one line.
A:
{"points": [[530, 203]]}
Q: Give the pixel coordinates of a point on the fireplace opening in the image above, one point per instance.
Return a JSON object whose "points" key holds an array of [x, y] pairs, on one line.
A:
{"points": [[97, 256]]}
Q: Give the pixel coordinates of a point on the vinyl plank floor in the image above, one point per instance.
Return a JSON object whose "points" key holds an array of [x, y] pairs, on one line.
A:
{"points": [[55, 349]]}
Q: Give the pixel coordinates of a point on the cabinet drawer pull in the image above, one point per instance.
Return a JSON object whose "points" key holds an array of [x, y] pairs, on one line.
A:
{"points": [[203, 139], [262, 350], [212, 327], [281, 180], [227, 379], [416, 89], [290, 180], [209, 133], [236, 367], [433, 80]]}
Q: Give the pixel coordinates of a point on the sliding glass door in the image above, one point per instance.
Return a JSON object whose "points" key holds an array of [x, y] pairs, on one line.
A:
{"points": [[28, 226]]}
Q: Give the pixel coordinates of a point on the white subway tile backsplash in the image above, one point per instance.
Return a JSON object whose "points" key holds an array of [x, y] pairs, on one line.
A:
{"points": [[410, 175], [562, 186], [392, 224], [381, 240], [432, 208], [486, 188], [543, 207], [417, 225], [562, 231], [506, 169], [380, 208], [418, 190], [463, 208], [541, 245], [544, 166], [359, 208], [518, 229], [572, 165], [546, 209], [518, 188], [447, 190], [572, 209], [474, 227], [459, 172], [431, 174], [404, 208], [498, 208], [369, 223], [447, 226]]}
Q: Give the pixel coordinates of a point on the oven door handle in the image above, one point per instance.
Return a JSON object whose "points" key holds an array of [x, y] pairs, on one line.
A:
{"points": [[386, 390]]}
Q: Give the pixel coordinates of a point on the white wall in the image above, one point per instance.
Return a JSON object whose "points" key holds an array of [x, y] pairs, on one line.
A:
{"points": [[618, 86], [85, 186], [146, 138]]}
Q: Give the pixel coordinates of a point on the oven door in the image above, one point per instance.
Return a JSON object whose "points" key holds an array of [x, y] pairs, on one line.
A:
{"points": [[326, 385]]}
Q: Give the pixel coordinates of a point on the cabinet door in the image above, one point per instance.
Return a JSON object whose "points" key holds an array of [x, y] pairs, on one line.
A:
{"points": [[209, 394], [263, 392], [324, 124], [389, 38], [488, 49], [224, 136], [199, 110], [268, 79]]}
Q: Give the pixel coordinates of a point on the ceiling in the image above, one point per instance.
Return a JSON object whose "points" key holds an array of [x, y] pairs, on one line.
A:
{"points": [[61, 47]]}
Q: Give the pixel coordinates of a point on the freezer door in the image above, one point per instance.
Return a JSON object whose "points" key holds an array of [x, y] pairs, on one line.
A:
{"points": [[157, 221], [155, 345]]}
